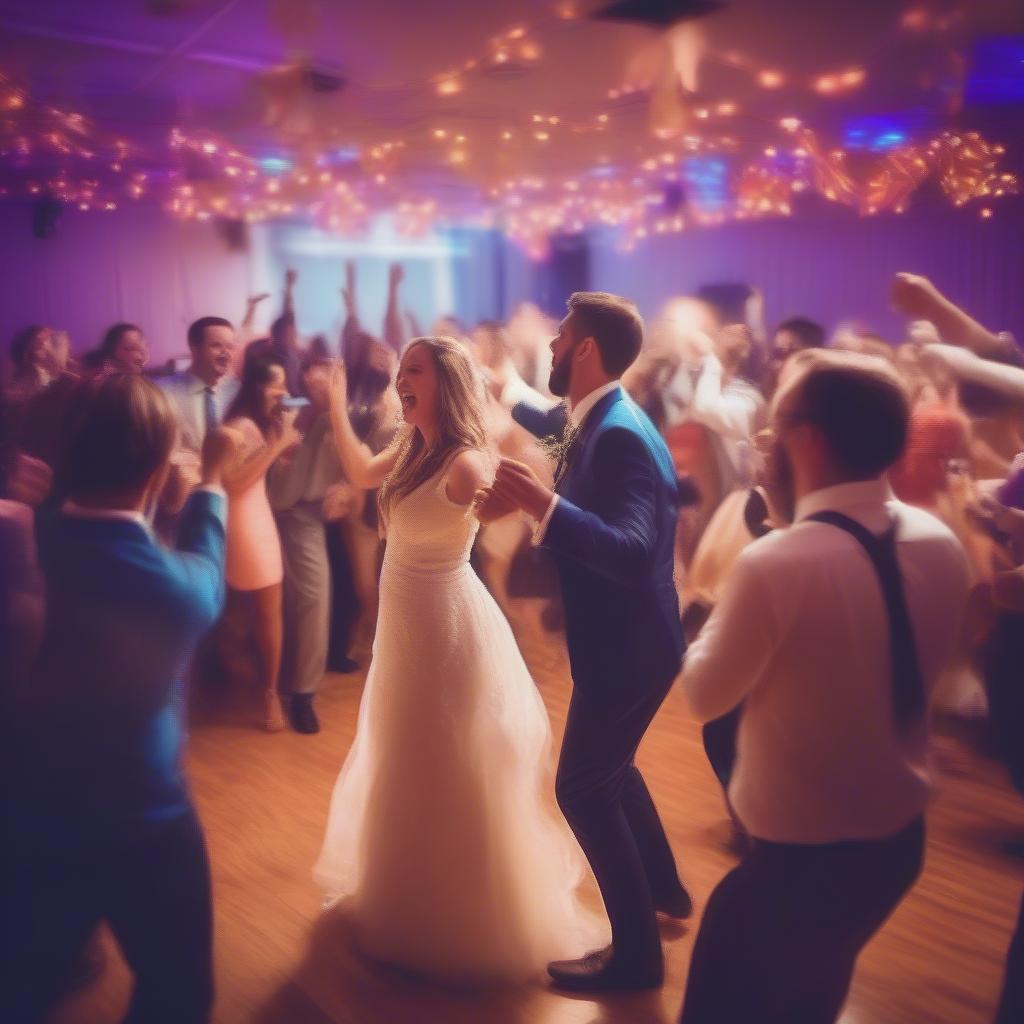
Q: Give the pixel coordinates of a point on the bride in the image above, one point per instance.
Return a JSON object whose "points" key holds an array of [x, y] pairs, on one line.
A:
{"points": [[445, 856]]}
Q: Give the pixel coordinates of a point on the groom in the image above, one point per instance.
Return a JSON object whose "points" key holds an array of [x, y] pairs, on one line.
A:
{"points": [[611, 526]]}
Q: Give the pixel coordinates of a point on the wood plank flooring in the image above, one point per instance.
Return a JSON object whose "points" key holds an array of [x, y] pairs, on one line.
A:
{"points": [[263, 800]]}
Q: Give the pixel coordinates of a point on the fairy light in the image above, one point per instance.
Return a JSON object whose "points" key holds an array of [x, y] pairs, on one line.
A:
{"points": [[770, 79]]}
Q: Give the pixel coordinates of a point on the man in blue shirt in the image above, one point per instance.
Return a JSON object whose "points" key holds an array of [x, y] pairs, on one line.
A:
{"points": [[105, 828]]}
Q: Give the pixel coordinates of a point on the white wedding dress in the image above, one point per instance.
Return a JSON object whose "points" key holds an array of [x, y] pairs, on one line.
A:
{"points": [[442, 841]]}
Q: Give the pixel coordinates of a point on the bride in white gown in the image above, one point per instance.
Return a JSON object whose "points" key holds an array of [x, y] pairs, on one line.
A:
{"points": [[445, 854]]}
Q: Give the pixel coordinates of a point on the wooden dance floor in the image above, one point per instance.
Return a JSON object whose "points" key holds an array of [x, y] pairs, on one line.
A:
{"points": [[263, 799]]}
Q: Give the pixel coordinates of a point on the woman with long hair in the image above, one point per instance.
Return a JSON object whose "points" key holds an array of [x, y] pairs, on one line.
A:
{"points": [[443, 853], [124, 349], [32, 362], [263, 431]]}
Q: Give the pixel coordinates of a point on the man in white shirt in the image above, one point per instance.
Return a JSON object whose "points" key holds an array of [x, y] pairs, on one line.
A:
{"points": [[200, 397], [830, 634], [201, 394]]}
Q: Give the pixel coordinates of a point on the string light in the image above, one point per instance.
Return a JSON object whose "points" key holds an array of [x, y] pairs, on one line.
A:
{"points": [[232, 183]]}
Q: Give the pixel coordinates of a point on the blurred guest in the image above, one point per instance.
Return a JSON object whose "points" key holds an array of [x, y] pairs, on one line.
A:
{"points": [[540, 414], [712, 415], [831, 634], [63, 361], [797, 334], [32, 362], [201, 394], [298, 488], [262, 431], [106, 828], [25, 483], [124, 349]]}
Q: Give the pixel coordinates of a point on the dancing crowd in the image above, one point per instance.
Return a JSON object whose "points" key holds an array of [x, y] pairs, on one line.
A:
{"points": [[134, 498]]}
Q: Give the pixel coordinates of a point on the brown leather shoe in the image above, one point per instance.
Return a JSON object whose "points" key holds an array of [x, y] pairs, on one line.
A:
{"points": [[602, 971]]}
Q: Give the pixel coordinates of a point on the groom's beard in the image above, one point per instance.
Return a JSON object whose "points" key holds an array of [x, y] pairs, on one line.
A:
{"points": [[558, 381]]}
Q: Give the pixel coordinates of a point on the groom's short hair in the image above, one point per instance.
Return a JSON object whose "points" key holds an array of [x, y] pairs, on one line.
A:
{"points": [[614, 323]]}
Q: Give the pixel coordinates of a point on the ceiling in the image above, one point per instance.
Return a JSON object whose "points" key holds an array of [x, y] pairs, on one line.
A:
{"points": [[257, 75]]}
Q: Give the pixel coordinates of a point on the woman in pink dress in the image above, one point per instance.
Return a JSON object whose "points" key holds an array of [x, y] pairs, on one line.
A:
{"points": [[263, 431]]}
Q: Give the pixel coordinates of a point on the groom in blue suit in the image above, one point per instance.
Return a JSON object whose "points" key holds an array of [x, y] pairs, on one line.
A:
{"points": [[610, 524]]}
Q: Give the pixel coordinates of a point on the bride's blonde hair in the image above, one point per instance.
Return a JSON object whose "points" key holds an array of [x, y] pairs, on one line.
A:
{"points": [[460, 421]]}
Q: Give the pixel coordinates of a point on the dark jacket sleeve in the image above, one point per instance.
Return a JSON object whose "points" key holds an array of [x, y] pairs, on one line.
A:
{"points": [[542, 423], [616, 538], [202, 542]]}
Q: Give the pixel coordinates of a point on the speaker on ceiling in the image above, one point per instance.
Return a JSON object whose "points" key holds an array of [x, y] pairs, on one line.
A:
{"points": [[235, 233], [45, 216]]}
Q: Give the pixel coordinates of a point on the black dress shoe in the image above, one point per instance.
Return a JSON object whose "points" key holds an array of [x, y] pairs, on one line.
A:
{"points": [[301, 713], [345, 665], [677, 905], [602, 971]]}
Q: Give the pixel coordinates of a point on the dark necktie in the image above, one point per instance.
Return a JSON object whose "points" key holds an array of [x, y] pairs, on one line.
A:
{"points": [[908, 696], [209, 410]]}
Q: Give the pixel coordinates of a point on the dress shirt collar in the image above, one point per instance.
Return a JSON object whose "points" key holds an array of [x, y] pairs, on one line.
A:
{"points": [[76, 511], [197, 385], [578, 413], [864, 500]]}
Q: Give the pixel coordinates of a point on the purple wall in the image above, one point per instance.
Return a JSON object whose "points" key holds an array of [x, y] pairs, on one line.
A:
{"points": [[139, 265], [135, 264], [832, 265]]}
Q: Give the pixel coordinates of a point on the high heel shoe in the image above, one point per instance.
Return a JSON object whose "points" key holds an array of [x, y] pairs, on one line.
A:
{"points": [[274, 712]]}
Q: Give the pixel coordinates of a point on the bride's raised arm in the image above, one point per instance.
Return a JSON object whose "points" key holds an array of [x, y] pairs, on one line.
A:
{"points": [[363, 469]]}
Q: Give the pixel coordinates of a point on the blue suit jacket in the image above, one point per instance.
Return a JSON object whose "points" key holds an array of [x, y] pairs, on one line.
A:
{"points": [[105, 715], [613, 537]]}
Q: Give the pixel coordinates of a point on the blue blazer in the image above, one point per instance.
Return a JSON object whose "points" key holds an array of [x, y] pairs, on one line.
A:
{"points": [[612, 534], [105, 715], [542, 423]]}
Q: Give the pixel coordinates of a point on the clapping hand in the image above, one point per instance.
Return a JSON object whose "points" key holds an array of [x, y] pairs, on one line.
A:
{"points": [[220, 449], [289, 436], [337, 384]]}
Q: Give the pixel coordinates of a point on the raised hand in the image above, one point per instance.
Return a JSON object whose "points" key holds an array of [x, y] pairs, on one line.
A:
{"points": [[396, 275], [290, 277], [914, 296], [348, 289], [254, 300]]}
